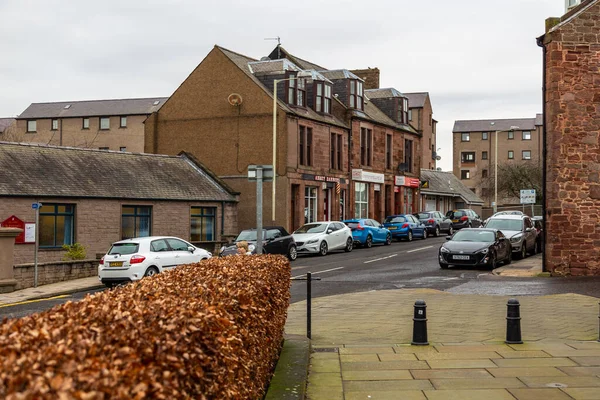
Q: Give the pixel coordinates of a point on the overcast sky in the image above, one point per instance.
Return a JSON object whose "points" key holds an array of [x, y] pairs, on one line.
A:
{"points": [[478, 59]]}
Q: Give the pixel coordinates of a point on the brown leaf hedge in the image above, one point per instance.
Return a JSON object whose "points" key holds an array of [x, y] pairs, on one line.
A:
{"points": [[211, 330]]}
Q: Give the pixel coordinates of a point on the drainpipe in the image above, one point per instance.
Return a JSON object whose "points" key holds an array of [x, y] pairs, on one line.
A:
{"points": [[540, 43], [222, 219]]}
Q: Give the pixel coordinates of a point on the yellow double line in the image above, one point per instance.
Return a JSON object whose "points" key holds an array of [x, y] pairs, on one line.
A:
{"points": [[33, 301]]}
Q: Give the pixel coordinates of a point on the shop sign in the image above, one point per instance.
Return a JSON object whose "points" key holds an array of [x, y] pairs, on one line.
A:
{"points": [[365, 176], [377, 187], [322, 178], [407, 181]]}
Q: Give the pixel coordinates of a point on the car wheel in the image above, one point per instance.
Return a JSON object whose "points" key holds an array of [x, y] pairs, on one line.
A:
{"points": [[323, 248], [292, 253], [493, 262], [369, 242], [469, 226], [436, 233], [388, 239], [424, 234], [523, 253], [508, 258], [151, 271], [443, 265], [450, 231], [534, 249], [109, 285], [349, 245], [409, 237]]}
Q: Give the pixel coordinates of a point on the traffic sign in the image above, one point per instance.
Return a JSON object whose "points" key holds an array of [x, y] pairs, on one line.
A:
{"points": [[527, 196], [35, 206]]}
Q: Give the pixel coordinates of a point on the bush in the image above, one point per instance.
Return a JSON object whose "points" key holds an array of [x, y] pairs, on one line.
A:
{"points": [[74, 252], [211, 330]]}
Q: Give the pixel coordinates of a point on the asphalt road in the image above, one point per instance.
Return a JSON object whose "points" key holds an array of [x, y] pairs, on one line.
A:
{"points": [[400, 265]]}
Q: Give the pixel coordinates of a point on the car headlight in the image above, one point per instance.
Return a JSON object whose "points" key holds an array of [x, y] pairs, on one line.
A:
{"points": [[251, 248], [312, 241], [444, 250], [483, 251], [516, 238]]}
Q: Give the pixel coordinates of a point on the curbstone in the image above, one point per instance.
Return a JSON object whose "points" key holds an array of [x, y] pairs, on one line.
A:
{"points": [[291, 373]]}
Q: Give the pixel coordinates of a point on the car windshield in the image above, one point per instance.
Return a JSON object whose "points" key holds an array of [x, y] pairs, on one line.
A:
{"points": [[473, 236], [312, 228], [423, 215], [455, 214], [505, 224], [124, 248], [394, 220], [352, 225], [248, 235], [508, 213]]}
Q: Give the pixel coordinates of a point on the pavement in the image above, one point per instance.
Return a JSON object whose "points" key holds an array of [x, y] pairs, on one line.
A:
{"points": [[360, 345]]}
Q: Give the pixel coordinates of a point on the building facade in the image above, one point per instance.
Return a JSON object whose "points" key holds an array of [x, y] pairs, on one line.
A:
{"points": [[571, 51], [97, 124], [443, 191], [474, 149], [420, 116], [96, 197]]}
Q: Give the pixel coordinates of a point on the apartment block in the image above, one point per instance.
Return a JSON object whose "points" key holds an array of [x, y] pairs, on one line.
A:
{"points": [[420, 116]]}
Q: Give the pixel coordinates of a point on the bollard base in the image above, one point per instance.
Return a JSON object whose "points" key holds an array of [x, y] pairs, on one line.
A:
{"points": [[513, 341], [419, 344]]}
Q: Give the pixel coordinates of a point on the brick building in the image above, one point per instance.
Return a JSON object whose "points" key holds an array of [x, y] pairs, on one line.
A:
{"points": [[420, 116], [337, 152], [97, 197], [473, 147], [94, 124], [571, 51]]}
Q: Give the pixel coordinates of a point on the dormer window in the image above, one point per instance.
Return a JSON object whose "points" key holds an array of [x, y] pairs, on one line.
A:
{"points": [[403, 110], [296, 91], [356, 95], [322, 97]]}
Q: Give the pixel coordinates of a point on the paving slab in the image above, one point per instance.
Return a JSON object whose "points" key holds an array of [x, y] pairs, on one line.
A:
{"points": [[469, 355], [583, 393], [460, 384], [587, 361], [523, 371], [451, 373], [381, 375], [581, 371], [440, 364], [386, 395], [534, 362], [523, 354], [562, 381], [388, 365], [398, 385], [539, 394], [487, 394]]}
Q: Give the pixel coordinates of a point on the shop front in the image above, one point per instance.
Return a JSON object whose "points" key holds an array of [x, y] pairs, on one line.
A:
{"points": [[367, 194], [317, 198], [406, 194]]}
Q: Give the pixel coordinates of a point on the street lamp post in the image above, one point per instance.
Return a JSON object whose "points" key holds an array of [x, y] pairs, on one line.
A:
{"points": [[512, 128]]}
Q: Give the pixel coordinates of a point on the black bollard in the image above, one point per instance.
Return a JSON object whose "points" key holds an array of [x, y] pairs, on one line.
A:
{"points": [[420, 324], [308, 305], [513, 322]]}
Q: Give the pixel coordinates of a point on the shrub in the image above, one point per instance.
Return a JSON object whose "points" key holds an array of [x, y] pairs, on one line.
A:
{"points": [[211, 330], [74, 251]]}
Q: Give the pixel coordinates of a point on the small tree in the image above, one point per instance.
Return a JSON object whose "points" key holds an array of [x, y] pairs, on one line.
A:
{"points": [[74, 251], [515, 176]]}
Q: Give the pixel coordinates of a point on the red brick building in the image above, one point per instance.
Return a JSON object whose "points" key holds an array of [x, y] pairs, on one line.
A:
{"points": [[571, 48]]}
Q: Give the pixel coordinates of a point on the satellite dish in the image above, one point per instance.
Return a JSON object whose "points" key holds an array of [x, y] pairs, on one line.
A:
{"points": [[265, 58], [438, 158], [234, 99]]}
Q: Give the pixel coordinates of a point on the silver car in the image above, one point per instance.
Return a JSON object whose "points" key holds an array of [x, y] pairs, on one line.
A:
{"points": [[519, 229]]}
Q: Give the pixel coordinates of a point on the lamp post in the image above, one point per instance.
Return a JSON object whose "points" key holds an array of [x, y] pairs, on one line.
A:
{"points": [[512, 128]]}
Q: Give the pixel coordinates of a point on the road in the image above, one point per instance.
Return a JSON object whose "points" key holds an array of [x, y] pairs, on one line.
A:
{"points": [[400, 265]]}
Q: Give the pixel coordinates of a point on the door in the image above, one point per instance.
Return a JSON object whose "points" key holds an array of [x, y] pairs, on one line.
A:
{"points": [[162, 256], [275, 243], [377, 206], [180, 251], [380, 232], [327, 205], [294, 212]]}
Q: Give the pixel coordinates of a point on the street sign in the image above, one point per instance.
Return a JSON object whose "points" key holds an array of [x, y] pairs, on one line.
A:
{"points": [[528, 196], [267, 172], [35, 206]]}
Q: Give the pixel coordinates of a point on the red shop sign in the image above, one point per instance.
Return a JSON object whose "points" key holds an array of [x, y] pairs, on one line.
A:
{"points": [[15, 222]]}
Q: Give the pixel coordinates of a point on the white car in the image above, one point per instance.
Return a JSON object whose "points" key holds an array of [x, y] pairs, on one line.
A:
{"points": [[321, 237], [132, 259]]}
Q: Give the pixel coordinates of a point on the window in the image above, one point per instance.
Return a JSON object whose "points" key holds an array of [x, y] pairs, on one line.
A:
{"points": [[408, 155], [511, 135], [467, 157], [122, 148], [56, 225], [123, 122], [511, 154], [336, 151], [410, 115], [526, 154], [135, 221], [31, 126], [300, 92], [388, 151], [103, 148], [465, 174], [366, 151], [305, 150], [484, 155], [465, 137], [526, 135], [356, 94], [104, 123], [54, 125], [86, 123], [323, 97], [361, 199], [403, 111], [310, 204], [484, 173], [484, 135], [296, 91], [202, 228]]}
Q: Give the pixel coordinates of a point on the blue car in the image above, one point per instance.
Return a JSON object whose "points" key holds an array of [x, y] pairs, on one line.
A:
{"points": [[368, 231], [405, 226]]}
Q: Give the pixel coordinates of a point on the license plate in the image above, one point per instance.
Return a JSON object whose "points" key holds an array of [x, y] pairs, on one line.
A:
{"points": [[116, 264], [391, 228], [454, 220], [461, 257]]}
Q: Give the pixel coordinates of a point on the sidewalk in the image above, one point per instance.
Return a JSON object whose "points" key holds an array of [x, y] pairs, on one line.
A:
{"points": [[361, 345], [51, 290]]}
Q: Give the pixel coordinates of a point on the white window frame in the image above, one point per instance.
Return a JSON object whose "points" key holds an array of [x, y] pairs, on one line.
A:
{"points": [[511, 155], [361, 200], [310, 204], [523, 154], [526, 135], [104, 127], [54, 124], [32, 126], [465, 137], [85, 124], [123, 122]]}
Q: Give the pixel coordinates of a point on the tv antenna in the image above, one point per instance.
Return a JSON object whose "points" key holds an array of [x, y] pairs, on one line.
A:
{"points": [[275, 38]]}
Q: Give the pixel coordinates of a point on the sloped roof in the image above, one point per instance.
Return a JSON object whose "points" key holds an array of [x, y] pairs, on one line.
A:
{"points": [[280, 52], [373, 113], [447, 184], [383, 93], [573, 13], [272, 66], [340, 74], [5, 123], [485, 125], [51, 171], [416, 100], [90, 108]]}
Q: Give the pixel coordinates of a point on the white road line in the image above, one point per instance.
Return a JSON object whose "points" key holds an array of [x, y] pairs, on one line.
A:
{"points": [[379, 259], [319, 272], [422, 248]]}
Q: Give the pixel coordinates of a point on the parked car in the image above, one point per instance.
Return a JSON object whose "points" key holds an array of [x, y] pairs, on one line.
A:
{"points": [[276, 240], [464, 218], [366, 231], [405, 226], [132, 259], [506, 212], [322, 237], [435, 222], [479, 247], [519, 229]]}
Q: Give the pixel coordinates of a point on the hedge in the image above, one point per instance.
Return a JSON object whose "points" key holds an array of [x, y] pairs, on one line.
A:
{"points": [[211, 330]]}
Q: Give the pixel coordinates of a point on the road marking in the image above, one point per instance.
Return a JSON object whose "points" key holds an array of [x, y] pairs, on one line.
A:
{"points": [[379, 259], [32, 301], [419, 249], [319, 272]]}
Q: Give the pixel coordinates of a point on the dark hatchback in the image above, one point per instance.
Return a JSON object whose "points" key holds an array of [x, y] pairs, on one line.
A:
{"points": [[464, 218], [479, 247], [276, 240]]}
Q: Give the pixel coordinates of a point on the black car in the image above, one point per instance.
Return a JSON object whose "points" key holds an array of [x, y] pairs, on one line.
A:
{"points": [[480, 247], [435, 222], [464, 218], [276, 240]]}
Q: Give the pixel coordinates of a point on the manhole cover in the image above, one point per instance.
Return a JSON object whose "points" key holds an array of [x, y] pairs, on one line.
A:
{"points": [[325, 349]]}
